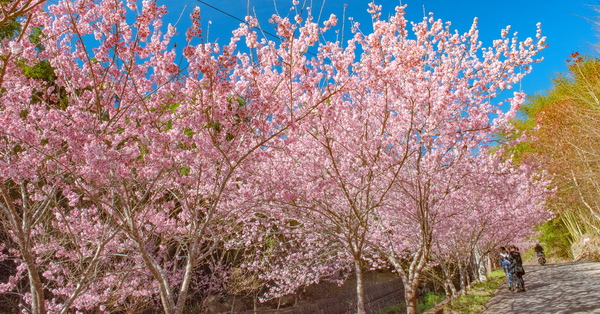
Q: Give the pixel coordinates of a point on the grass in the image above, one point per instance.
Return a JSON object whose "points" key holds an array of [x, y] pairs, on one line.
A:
{"points": [[427, 302], [476, 299], [473, 302]]}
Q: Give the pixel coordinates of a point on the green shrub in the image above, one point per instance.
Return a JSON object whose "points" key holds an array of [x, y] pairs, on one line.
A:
{"points": [[425, 303], [476, 298], [429, 301]]}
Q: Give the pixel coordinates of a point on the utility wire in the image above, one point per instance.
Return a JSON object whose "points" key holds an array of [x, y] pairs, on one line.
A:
{"points": [[238, 19]]}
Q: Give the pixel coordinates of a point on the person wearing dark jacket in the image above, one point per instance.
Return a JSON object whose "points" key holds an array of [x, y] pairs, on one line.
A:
{"points": [[539, 254], [538, 249], [516, 269]]}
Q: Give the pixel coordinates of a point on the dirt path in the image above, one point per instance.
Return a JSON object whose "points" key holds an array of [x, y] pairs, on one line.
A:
{"points": [[555, 288]]}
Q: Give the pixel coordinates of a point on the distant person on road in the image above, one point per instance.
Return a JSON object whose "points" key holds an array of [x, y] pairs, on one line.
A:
{"points": [[538, 249], [539, 254], [516, 269], [505, 263]]}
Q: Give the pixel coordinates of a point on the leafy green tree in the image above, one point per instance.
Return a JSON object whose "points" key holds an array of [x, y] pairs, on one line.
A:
{"points": [[562, 132]]}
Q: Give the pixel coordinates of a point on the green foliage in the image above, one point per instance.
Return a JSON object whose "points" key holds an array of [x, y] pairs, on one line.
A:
{"points": [[580, 84], [562, 134], [43, 70], [527, 121], [556, 237], [215, 125], [241, 102], [168, 125], [188, 132], [172, 107], [184, 171], [143, 150], [10, 29], [429, 301], [35, 37], [476, 298]]}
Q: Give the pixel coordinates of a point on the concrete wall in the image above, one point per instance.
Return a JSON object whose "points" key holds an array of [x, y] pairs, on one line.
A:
{"points": [[377, 297]]}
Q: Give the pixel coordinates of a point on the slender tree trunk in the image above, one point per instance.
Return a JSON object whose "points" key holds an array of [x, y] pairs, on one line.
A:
{"points": [[35, 283], [448, 284], [233, 304], [21, 227], [468, 276], [480, 264], [410, 282], [463, 279], [449, 287], [410, 296], [360, 290], [166, 294], [185, 284]]}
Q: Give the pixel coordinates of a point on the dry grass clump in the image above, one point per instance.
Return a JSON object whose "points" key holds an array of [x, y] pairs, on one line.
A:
{"points": [[587, 248]]}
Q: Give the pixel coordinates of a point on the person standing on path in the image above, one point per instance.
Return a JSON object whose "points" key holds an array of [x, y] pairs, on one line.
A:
{"points": [[538, 249], [505, 263], [516, 269]]}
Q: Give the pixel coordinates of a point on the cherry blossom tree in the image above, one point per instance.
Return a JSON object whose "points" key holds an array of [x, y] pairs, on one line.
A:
{"points": [[64, 243], [386, 153], [452, 92], [155, 150], [505, 202], [28, 190], [285, 255], [128, 163]]}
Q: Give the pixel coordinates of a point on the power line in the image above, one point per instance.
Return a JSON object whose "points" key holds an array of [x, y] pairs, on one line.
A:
{"points": [[238, 19], [243, 21]]}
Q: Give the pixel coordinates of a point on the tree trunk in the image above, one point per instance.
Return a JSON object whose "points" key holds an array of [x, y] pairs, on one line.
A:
{"points": [[166, 295], [463, 279], [480, 268], [449, 287], [410, 282], [468, 277], [21, 227], [410, 296], [360, 290], [36, 288], [448, 284], [185, 284]]}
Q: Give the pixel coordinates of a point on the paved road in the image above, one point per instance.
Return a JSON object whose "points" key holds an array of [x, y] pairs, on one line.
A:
{"points": [[554, 288]]}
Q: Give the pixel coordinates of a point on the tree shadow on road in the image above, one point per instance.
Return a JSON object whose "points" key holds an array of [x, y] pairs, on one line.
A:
{"points": [[556, 288]]}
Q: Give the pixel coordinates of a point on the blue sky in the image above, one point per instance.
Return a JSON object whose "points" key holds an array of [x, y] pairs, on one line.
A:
{"points": [[568, 24]]}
